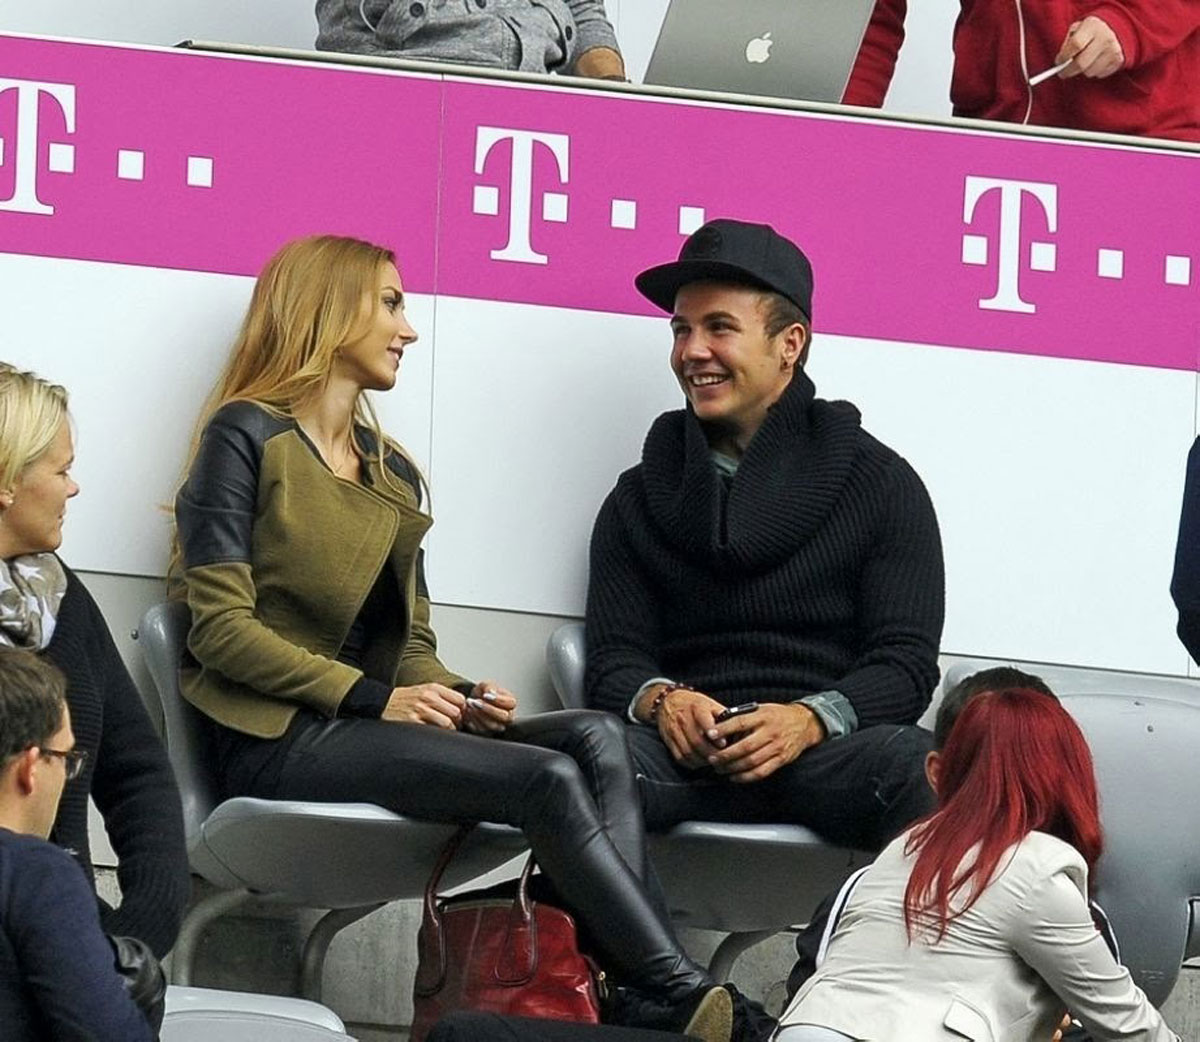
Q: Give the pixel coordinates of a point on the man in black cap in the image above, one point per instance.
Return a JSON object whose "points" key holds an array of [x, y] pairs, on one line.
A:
{"points": [[769, 557]]}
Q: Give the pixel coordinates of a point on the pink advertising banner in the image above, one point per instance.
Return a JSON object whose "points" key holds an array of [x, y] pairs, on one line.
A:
{"points": [[554, 196]]}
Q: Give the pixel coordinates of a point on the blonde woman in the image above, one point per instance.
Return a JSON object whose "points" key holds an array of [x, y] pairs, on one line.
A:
{"points": [[299, 554], [45, 609]]}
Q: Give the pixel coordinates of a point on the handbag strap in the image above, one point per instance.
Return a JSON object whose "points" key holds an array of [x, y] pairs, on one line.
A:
{"points": [[431, 938]]}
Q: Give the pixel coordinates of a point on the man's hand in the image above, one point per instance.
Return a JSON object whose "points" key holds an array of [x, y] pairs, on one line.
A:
{"points": [[489, 709], [1093, 49], [600, 63], [752, 747], [683, 719], [425, 704], [1066, 1023]]}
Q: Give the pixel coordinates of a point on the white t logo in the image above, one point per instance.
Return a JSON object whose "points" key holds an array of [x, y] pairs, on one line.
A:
{"points": [[520, 197], [975, 247], [25, 198]]}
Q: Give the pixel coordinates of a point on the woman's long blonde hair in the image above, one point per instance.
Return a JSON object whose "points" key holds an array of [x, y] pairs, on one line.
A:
{"points": [[307, 303], [32, 411]]}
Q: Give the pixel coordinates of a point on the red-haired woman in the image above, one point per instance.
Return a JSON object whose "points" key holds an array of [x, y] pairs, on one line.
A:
{"points": [[975, 923]]}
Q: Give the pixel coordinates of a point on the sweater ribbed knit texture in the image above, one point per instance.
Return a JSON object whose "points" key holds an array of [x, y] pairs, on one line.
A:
{"points": [[818, 567], [127, 774]]}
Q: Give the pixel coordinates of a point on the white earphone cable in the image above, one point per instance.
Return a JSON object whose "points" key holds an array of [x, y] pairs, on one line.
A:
{"points": [[362, 13], [1024, 62]]}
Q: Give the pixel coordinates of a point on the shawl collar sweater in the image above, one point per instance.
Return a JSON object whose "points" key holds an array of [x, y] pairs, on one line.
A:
{"points": [[818, 567]]}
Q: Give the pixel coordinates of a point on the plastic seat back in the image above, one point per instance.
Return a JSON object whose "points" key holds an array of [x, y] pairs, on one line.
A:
{"points": [[1145, 754], [162, 635]]}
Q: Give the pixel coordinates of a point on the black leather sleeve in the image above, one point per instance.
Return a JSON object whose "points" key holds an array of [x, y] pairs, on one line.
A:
{"points": [[214, 510]]}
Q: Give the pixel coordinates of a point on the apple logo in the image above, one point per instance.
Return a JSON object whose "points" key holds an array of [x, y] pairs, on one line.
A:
{"points": [[758, 50]]}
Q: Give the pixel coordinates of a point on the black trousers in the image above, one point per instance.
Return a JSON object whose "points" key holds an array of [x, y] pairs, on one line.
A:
{"points": [[564, 779], [858, 791], [490, 1027]]}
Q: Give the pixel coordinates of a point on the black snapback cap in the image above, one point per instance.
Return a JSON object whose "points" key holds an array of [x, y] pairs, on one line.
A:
{"points": [[733, 251]]}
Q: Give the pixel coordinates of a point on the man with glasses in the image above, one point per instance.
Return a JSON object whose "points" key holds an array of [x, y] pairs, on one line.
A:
{"points": [[59, 974]]}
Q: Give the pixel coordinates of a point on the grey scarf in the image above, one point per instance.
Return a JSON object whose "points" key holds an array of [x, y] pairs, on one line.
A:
{"points": [[31, 589]]}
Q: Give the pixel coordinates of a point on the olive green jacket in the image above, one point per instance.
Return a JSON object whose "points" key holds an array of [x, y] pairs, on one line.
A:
{"points": [[276, 557]]}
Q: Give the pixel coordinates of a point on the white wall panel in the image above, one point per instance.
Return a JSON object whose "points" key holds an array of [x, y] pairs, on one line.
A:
{"points": [[1057, 485], [537, 410]]}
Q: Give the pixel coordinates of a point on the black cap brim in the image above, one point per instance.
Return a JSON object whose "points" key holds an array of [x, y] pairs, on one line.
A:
{"points": [[660, 284]]}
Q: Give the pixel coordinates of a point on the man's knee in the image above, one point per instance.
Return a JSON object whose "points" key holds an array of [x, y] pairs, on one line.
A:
{"points": [[901, 787], [470, 1026]]}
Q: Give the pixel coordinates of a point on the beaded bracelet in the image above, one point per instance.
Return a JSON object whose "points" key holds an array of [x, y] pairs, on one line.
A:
{"points": [[656, 705]]}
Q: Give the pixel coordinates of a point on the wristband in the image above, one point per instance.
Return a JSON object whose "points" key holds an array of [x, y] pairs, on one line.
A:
{"points": [[656, 705]]}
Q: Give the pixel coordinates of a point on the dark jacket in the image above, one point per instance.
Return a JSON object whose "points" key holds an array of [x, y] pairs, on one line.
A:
{"points": [[127, 775], [58, 975]]}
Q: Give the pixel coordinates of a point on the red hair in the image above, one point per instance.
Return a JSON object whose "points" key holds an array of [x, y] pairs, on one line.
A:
{"points": [[1015, 761]]}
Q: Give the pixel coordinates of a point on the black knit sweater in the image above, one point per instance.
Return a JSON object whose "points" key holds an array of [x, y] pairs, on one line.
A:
{"points": [[127, 774], [817, 568]]}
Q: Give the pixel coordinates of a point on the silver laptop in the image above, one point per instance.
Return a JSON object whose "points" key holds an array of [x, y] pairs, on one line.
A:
{"points": [[802, 49]]}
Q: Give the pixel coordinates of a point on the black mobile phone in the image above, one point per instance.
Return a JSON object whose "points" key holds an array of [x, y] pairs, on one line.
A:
{"points": [[732, 711]]}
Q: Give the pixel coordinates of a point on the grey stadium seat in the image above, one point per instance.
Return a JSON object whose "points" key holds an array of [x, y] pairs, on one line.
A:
{"points": [[350, 858]]}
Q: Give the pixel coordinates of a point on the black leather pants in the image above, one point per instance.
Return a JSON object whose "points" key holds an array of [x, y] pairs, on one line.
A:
{"points": [[565, 779]]}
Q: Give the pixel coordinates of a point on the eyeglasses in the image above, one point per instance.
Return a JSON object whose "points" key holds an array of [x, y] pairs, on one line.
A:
{"points": [[73, 760]]}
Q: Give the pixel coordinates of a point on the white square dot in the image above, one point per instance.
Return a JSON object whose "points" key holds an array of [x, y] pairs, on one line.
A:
{"points": [[487, 200], [1, 151], [554, 207], [131, 164], [690, 219], [624, 213], [975, 249], [200, 171], [1043, 256], [62, 158], [1179, 271], [1111, 264]]}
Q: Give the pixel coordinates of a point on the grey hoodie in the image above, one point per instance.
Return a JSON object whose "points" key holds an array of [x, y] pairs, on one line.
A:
{"points": [[525, 35]]}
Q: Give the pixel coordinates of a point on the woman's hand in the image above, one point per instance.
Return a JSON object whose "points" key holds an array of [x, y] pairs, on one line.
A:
{"points": [[426, 704], [489, 710], [1066, 1023]]}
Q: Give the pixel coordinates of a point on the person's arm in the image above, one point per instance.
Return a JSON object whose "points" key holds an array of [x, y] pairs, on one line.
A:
{"points": [[214, 512], [1054, 934], [1146, 30], [622, 626], [876, 61], [68, 965], [134, 789], [596, 51], [901, 598], [1185, 582]]}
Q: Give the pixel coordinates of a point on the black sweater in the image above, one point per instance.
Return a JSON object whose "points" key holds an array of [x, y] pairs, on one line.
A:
{"points": [[1185, 581], [127, 774], [817, 568]]}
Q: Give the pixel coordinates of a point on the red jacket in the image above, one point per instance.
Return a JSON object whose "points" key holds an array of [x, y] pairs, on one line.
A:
{"points": [[1157, 93]]}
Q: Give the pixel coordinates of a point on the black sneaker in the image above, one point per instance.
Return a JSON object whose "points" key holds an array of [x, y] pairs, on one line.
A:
{"points": [[707, 1014], [751, 1023]]}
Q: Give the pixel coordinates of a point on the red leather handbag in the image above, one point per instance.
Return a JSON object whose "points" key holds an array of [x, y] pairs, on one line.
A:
{"points": [[499, 953]]}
